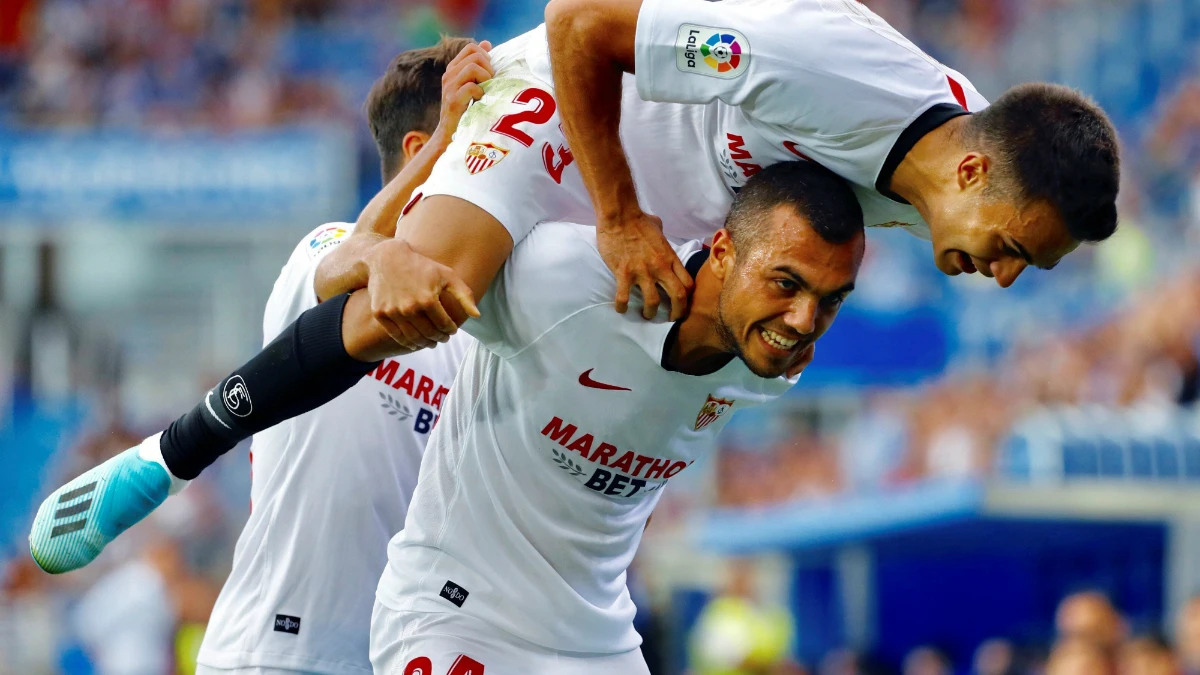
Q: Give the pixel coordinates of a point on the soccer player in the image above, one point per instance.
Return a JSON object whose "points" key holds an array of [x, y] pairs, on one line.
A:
{"points": [[723, 89], [339, 479], [567, 420]]}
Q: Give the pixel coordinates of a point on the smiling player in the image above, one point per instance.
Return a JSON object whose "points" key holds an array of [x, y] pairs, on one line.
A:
{"points": [[568, 419]]}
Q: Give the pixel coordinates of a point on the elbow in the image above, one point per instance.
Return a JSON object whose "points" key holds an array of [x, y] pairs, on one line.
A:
{"points": [[568, 20]]}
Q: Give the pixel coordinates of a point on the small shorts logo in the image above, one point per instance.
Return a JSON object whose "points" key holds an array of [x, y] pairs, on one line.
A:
{"points": [[712, 409], [237, 397], [454, 593], [481, 156], [715, 52], [287, 624]]}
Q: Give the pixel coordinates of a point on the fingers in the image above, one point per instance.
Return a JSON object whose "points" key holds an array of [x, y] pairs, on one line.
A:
{"points": [[678, 285], [650, 297], [471, 56], [460, 83], [440, 319], [621, 301], [462, 293], [404, 334], [472, 71], [471, 50]]}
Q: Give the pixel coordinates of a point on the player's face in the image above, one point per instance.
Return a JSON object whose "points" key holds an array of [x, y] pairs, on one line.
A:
{"points": [[781, 295], [974, 231]]}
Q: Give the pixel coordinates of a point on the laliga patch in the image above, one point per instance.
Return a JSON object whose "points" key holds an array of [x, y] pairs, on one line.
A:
{"points": [[482, 156], [715, 52], [712, 410], [324, 240]]}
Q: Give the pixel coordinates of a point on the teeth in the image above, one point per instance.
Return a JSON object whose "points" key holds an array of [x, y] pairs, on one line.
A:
{"points": [[777, 340]]}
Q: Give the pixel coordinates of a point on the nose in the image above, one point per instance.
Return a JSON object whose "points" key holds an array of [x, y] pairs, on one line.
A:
{"points": [[802, 317], [1007, 271]]}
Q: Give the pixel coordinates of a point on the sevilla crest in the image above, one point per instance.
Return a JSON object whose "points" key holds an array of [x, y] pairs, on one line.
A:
{"points": [[713, 408], [482, 156]]}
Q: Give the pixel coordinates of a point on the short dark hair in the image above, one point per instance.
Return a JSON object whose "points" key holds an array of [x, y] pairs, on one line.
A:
{"points": [[1053, 143], [813, 191], [407, 98]]}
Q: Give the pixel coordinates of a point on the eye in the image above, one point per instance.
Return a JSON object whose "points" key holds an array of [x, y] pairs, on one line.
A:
{"points": [[832, 301], [786, 284]]}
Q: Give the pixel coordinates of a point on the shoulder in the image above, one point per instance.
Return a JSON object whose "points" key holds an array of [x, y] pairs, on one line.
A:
{"points": [[293, 290], [560, 260]]}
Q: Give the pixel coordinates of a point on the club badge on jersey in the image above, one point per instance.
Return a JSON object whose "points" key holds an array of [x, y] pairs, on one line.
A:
{"points": [[481, 156], [712, 410]]}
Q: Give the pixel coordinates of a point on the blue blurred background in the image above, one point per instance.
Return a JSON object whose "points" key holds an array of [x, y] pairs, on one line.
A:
{"points": [[968, 480]]}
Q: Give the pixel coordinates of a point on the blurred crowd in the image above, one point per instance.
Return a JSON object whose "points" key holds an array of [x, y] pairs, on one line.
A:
{"points": [[215, 64], [740, 635], [1146, 355]]}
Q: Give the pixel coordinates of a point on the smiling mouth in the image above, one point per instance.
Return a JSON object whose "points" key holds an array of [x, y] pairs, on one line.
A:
{"points": [[777, 343]]}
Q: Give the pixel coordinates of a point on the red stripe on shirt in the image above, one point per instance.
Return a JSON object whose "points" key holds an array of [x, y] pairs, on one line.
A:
{"points": [[959, 94]]}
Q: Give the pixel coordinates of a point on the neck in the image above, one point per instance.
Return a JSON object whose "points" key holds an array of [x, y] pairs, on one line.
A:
{"points": [[698, 348], [920, 177]]}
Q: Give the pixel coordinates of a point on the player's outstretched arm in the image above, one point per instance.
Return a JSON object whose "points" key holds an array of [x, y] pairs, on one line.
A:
{"points": [[591, 47], [322, 354], [346, 268]]}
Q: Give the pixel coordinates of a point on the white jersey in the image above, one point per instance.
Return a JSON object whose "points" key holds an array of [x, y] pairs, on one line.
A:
{"points": [[722, 90], [559, 435], [329, 488]]}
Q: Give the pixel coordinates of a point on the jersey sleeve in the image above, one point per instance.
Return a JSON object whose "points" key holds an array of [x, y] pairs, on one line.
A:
{"points": [[836, 81], [555, 272], [293, 292]]}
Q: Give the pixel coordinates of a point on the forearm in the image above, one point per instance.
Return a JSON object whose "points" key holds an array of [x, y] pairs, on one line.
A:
{"points": [[591, 47], [315, 359], [345, 268], [380, 214]]}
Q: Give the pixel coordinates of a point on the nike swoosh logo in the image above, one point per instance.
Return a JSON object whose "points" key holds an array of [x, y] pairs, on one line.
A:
{"points": [[208, 404], [585, 378]]}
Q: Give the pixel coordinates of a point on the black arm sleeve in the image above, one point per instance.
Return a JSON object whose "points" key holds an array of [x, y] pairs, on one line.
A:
{"points": [[302, 369]]}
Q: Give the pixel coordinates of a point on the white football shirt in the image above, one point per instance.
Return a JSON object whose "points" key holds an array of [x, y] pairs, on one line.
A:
{"points": [[765, 81], [328, 490], [558, 437]]}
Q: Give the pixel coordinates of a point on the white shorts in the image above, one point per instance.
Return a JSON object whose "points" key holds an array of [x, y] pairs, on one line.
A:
{"points": [[510, 158], [448, 643]]}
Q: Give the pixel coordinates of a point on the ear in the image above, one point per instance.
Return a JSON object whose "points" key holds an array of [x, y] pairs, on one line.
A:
{"points": [[412, 144], [973, 171], [722, 255]]}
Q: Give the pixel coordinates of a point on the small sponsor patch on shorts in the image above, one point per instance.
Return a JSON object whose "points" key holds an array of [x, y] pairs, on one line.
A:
{"points": [[454, 593], [287, 624]]}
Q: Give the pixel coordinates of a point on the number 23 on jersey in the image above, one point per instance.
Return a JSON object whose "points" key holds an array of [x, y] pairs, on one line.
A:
{"points": [[554, 159]]}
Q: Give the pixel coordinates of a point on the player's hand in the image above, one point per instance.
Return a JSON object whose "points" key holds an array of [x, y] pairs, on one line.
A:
{"points": [[407, 292], [460, 84], [638, 254], [804, 359]]}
